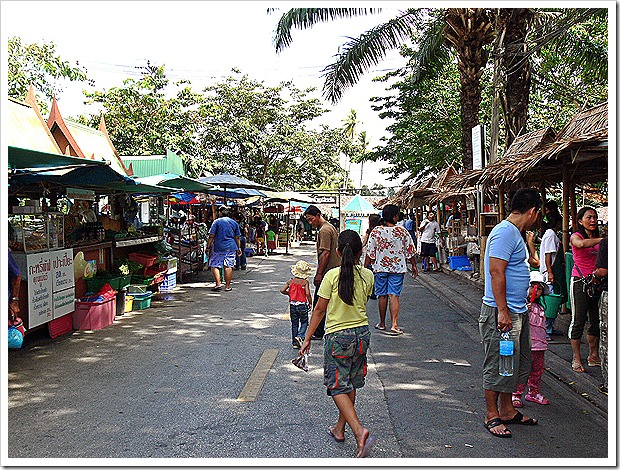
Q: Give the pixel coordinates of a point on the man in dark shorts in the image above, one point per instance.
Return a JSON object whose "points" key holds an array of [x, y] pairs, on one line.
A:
{"points": [[429, 228], [504, 308]]}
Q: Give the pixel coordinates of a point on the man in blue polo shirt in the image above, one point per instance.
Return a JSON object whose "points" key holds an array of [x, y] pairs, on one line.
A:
{"points": [[504, 308], [223, 247]]}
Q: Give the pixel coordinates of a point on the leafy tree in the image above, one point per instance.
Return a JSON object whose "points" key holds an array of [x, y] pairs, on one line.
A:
{"points": [[263, 133], [425, 134], [141, 120], [40, 66]]}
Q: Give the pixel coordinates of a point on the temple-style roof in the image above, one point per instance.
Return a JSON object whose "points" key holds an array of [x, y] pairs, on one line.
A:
{"points": [[84, 141], [26, 128]]}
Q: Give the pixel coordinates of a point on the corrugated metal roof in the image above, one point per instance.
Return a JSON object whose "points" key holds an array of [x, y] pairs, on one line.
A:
{"points": [[94, 142], [151, 165], [26, 130]]}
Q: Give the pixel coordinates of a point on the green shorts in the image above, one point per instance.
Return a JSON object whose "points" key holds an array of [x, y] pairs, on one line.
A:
{"points": [[490, 335], [344, 359]]}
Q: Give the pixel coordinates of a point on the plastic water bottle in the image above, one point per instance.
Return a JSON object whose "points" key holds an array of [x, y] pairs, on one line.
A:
{"points": [[506, 355]]}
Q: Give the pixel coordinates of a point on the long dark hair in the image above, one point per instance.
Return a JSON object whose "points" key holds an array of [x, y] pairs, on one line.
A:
{"points": [[580, 228], [349, 246], [374, 220]]}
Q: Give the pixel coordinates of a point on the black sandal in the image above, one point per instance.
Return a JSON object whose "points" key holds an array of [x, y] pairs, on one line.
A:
{"points": [[518, 419], [493, 423]]}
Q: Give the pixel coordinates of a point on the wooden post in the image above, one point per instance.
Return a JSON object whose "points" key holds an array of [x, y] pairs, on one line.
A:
{"points": [[502, 208], [565, 207], [573, 205]]}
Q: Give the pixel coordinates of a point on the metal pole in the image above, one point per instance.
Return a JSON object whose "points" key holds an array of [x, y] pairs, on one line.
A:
{"points": [[288, 219]]}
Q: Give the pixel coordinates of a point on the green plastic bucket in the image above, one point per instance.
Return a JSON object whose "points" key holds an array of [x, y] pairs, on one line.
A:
{"points": [[551, 303]]}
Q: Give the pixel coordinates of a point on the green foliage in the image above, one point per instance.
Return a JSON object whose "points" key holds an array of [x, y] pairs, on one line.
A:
{"points": [[141, 120], [40, 66], [426, 129], [262, 133]]}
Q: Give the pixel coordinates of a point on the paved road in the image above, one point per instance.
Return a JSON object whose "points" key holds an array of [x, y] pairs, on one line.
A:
{"points": [[164, 383]]}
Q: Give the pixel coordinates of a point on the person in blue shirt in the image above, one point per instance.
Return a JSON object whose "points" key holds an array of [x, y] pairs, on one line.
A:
{"points": [[223, 247], [504, 308]]}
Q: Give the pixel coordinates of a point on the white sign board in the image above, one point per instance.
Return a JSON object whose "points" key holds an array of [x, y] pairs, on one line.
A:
{"points": [[63, 282], [39, 277], [477, 146], [51, 286]]}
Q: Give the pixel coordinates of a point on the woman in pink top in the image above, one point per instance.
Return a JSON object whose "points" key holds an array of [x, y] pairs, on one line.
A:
{"points": [[585, 248]]}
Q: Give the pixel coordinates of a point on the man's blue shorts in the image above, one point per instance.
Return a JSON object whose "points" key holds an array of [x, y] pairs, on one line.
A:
{"points": [[389, 283], [219, 259]]}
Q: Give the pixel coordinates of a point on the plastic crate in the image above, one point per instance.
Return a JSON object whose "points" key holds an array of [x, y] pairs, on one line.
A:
{"points": [[142, 301], [169, 282], [61, 325], [460, 263], [137, 288], [140, 279], [117, 282], [145, 259], [94, 315], [172, 264]]}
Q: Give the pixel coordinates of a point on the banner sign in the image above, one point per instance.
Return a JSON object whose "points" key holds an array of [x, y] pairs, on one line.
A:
{"points": [[84, 194]]}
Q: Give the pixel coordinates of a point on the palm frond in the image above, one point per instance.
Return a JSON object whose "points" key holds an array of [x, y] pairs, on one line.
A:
{"points": [[303, 18], [432, 54], [360, 54]]}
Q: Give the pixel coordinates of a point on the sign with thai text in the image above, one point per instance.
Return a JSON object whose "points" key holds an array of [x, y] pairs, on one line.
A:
{"points": [[39, 275], [63, 283]]}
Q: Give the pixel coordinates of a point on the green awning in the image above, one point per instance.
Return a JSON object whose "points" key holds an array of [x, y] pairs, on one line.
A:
{"points": [[26, 159], [183, 183]]}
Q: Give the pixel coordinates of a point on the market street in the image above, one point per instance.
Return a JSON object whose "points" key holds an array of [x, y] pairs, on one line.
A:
{"points": [[164, 383]]}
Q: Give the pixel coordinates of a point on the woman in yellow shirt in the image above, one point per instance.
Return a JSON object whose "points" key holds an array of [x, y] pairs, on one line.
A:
{"points": [[344, 292]]}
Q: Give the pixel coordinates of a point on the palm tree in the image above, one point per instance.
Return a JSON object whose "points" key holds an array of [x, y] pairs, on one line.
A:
{"points": [[363, 142], [439, 33], [349, 127], [468, 30]]}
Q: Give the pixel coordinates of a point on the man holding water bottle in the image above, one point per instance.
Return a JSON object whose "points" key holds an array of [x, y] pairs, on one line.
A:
{"points": [[504, 309]]}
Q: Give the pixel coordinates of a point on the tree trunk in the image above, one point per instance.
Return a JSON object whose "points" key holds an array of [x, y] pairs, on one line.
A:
{"points": [[469, 30], [516, 99]]}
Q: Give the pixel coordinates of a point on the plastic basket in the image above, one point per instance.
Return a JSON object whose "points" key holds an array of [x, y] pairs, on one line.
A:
{"points": [[94, 315], [460, 263], [117, 282], [136, 288], [551, 303], [145, 259], [140, 279], [142, 301], [172, 264]]}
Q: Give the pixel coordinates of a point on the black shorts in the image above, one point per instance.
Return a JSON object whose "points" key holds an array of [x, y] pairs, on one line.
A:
{"points": [[429, 249]]}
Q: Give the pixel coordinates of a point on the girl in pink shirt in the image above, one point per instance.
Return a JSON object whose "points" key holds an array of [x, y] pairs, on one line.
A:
{"points": [[538, 333]]}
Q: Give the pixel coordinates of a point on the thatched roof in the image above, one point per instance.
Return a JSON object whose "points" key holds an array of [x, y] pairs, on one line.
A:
{"points": [[541, 155], [581, 144]]}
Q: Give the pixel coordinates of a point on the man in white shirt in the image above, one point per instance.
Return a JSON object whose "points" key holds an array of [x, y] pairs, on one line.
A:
{"points": [[428, 228]]}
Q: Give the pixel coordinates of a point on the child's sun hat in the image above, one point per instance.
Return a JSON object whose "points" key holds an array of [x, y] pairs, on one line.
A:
{"points": [[301, 269], [537, 278]]}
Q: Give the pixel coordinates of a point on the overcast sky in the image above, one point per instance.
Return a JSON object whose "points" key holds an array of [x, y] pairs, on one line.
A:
{"points": [[200, 41]]}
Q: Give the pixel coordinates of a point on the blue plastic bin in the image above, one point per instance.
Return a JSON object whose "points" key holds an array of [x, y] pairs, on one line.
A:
{"points": [[460, 263]]}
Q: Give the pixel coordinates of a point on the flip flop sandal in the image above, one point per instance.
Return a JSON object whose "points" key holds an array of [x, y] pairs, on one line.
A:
{"points": [[370, 443], [216, 289], [382, 328], [228, 289], [577, 367], [594, 363], [334, 436], [493, 423], [518, 419], [396, 332]]}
